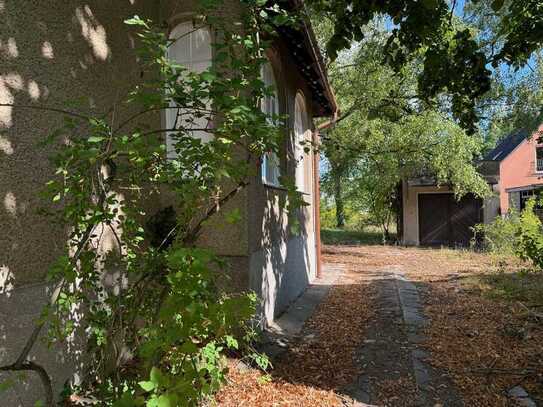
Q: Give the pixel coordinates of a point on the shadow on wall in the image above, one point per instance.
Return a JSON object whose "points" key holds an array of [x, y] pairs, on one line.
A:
{"points": [[286, 259], [51, 53]]}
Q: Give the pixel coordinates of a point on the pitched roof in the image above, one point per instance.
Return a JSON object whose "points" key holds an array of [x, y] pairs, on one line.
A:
{"points": [[506, 146]]}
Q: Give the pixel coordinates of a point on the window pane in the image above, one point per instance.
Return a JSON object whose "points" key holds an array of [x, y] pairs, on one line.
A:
{"points": [[201, 46], [300, 127], [192, 48], [270, 106], [180, 49]]}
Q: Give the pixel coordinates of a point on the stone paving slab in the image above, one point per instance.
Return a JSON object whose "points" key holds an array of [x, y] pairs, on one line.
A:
{"points": [[392, 348], [288, 326]]}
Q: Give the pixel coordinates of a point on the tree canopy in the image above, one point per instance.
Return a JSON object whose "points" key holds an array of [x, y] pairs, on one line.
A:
{"points": [[454, 60], [387, 132]]}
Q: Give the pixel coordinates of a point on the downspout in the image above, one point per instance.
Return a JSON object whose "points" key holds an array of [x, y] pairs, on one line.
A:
{"points": [[317, 190], [317, 205]]}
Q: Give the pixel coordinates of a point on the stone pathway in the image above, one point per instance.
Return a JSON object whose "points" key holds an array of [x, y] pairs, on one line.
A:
{"points": [[391, 357], [394, 366], [287, 328]]}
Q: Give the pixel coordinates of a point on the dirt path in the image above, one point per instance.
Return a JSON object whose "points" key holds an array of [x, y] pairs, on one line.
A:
{"points": [[401, 327]]}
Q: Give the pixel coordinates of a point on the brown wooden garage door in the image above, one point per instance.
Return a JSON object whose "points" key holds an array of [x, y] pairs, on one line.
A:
{"points": [[445, 221]]}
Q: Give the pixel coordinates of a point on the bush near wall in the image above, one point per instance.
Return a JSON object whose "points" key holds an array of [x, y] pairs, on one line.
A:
{"points": [[519, 234]]}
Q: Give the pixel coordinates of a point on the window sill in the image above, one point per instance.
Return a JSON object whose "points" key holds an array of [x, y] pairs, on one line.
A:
{"points": [[273, 186], [267, 185]]}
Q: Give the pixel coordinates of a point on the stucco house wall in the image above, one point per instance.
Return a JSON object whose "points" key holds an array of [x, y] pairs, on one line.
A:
{"points": [[51, 52], [282, 261], [517, 170], [61, 50]]}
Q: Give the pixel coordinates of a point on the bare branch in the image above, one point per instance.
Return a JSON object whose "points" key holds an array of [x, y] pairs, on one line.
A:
{"points": [[42, 373], [193, 234], [48, 109], [157, 109]]}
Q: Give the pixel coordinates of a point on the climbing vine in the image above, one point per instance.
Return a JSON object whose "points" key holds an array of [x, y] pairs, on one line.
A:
{"points": [[156, 322]]}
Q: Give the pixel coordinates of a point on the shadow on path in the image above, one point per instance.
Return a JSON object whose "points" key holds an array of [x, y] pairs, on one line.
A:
{"points": [[393, 362], [389, 366]]}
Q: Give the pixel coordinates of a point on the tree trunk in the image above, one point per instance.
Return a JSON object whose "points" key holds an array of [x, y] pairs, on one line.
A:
{"points": [[338, 198], [386, 232], [398, 209]]}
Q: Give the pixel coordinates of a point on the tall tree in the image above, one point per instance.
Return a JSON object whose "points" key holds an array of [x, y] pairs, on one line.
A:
{"points": [[516, 95], [453, 60], [388, 132]]}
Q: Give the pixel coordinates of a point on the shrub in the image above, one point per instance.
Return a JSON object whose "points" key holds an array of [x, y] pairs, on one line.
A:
{"points": [[530, 237], [500, 236], [519, 234]]}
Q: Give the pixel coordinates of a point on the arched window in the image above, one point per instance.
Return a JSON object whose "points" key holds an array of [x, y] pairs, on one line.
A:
{"points": [[190, 47], [301, 126], [270, 107]]}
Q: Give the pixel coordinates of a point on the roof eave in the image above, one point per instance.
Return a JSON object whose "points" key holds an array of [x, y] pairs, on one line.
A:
{"points": [[311, 45]]}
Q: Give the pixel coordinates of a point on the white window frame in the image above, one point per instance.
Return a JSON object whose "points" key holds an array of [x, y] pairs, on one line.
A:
{"points": [[184, 32], [301, 127], [527, 193], [270, 163], [538, 169]]}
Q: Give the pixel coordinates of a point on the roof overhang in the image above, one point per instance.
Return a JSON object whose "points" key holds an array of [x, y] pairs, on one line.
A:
{"points": [[305, 52], [489, 170]]}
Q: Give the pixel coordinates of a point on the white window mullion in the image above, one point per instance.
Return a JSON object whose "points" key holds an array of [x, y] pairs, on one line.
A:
{"points": [[270, 106], [300, 129], [192, 49]]}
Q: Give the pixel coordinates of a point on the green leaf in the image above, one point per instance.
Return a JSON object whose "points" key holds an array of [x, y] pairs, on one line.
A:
{"points": [[208, 76], [95, 139], [136, 20], [157, 377], [166, 400], [189, 348], [231, 342], [147, 386]]}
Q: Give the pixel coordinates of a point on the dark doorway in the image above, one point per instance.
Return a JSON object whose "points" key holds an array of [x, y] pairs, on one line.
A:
{"points": [[445, 221]]}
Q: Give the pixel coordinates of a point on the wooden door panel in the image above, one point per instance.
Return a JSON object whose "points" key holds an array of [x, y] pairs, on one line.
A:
{"points": [[434, 227], [464, 215], [445, 221]]}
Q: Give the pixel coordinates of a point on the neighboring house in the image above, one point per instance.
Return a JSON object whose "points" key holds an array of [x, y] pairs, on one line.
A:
{"points": [[519, 161], [430, 215], [56, 51]]}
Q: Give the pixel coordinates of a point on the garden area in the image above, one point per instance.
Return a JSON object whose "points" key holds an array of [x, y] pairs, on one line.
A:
{"points": [[482, 337], [164, 169]]}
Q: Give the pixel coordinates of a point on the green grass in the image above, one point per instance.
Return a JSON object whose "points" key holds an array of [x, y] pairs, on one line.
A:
{"points": [[523, 286], [349, 237]]}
